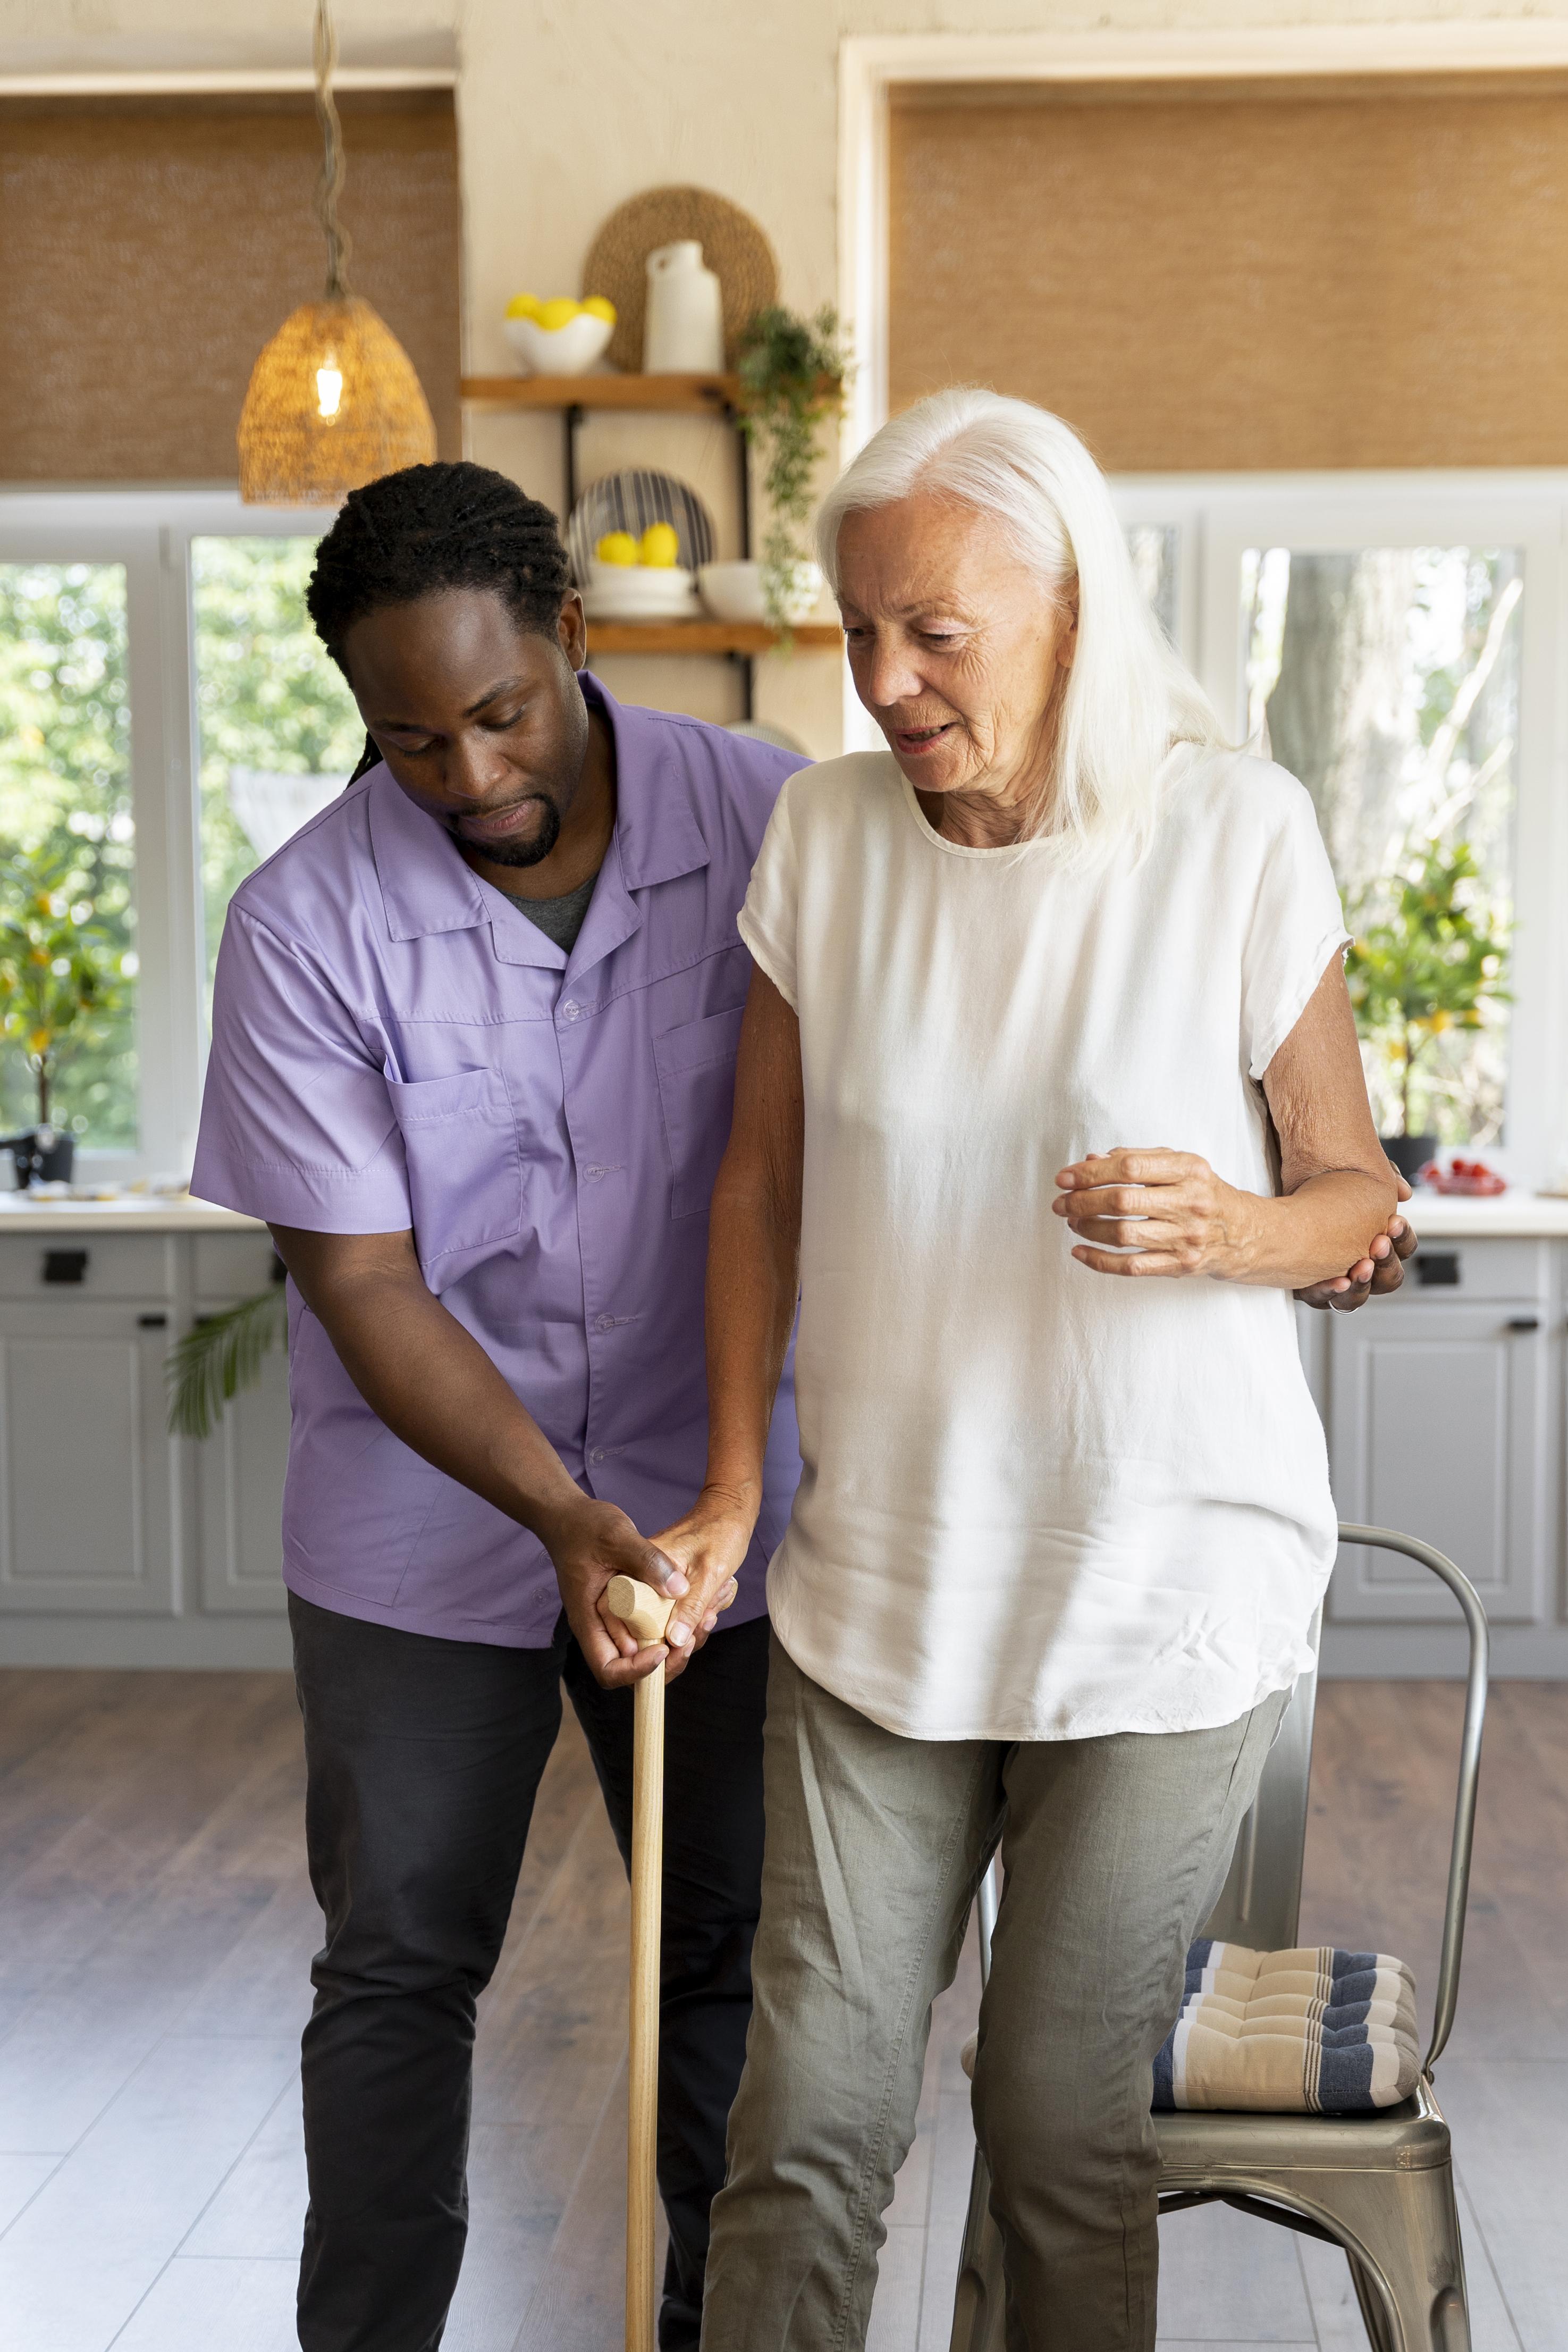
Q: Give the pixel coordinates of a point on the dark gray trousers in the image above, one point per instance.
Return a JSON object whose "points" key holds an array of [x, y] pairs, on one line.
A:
{"points": [[424, 1759]]}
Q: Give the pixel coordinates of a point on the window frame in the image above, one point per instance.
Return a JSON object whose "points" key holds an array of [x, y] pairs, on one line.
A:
{"points": [[150, 533]]}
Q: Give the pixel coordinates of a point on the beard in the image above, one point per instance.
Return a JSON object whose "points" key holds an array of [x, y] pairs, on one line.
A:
{"points": [[517, 853]]}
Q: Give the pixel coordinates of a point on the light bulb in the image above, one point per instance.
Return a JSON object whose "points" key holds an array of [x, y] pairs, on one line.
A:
{"points": [[328, 390]]}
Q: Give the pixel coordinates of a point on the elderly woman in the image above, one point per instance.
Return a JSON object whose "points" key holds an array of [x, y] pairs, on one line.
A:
{"points": [[1033, 987]]}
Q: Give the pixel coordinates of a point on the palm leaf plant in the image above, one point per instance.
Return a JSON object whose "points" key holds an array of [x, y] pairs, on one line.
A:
{"points": [[223, 1354]]}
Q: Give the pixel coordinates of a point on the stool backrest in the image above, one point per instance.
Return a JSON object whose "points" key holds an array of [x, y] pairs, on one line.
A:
{"points": [[1261, 1903]]}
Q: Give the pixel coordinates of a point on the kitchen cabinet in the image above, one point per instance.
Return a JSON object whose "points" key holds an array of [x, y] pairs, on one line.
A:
{"points": [[118, 1544], [1437, 1426], [239, 1468], [88, 1521]]}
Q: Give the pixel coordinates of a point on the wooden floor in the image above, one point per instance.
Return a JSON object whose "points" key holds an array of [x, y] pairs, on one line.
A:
{"points": [[155, 1929]]}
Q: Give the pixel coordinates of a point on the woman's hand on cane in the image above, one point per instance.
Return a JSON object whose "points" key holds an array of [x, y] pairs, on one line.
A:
{"points": [[708, 1546]]}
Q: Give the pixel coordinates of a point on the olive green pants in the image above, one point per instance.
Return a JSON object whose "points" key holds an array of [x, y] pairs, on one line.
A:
{"points": [[1115, 1851]]}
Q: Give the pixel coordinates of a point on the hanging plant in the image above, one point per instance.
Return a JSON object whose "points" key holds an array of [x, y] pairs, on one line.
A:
{"points": [[792, 373]]}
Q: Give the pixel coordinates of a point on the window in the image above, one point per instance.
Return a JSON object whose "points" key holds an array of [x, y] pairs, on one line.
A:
{"points": [[68, 834], [1387, 679], [280, 735], [1154, 549], [1391, 639], [167, 717]]}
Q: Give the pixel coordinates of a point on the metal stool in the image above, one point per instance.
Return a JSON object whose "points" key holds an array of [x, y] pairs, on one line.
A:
{"points": [[1379, 2185]]}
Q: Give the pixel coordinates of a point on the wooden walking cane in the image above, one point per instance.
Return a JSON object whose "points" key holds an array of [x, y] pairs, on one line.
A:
{"points": [[645, 1614]]}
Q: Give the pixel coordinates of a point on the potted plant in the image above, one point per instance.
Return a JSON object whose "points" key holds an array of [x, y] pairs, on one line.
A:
{"points": [[1436, 963], [60, 981], [792, 374]]}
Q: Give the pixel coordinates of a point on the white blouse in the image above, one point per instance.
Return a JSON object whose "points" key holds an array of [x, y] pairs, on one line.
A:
{"points": [[1040, 1502]]}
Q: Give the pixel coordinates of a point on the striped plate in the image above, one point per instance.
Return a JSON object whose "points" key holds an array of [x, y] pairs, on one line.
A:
{"points": [[630, 501]]}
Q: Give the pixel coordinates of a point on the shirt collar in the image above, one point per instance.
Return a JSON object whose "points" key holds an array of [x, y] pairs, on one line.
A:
{"points": [[427, 886]]}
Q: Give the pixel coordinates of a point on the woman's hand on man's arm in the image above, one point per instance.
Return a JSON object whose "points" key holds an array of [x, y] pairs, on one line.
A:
{"points": [[434, 1386], [1163, 1213]]}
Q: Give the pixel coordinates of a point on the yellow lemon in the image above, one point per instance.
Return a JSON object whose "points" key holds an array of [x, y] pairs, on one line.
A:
{"points": [[524, 306], [561, 313], [617, 547], [659, 546], [598, 307]]}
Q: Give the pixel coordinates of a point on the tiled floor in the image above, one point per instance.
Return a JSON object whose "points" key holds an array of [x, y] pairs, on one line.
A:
{"points": [[155, 1929]]}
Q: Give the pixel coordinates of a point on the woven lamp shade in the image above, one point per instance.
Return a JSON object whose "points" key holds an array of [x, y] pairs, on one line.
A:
{"points": [[290, 454]]}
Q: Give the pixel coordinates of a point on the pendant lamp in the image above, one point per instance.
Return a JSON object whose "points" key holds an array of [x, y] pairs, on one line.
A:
{"points": [[333, 400]]}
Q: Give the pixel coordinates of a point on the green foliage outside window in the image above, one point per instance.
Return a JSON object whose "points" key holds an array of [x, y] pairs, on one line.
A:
{"points": [[268, 695], [1433, 966], [66, 835], [61, 982]]}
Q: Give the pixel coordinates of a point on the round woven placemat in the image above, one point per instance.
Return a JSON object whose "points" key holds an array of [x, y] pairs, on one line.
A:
{"points": [[732, 245]]}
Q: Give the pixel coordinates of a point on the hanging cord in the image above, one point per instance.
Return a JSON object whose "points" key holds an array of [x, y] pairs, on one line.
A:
{"points": [[339, 244]]}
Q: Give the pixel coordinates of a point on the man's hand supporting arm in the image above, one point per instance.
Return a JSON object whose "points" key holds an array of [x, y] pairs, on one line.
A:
{"points": [[434, 1386], [753, 1285]]}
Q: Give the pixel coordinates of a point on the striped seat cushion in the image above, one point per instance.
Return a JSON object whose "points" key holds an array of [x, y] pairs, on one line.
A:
{"points": [[1314, 2031]]}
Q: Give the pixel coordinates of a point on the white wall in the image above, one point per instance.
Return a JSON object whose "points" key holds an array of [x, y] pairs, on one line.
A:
{"points": [[569, 106]]}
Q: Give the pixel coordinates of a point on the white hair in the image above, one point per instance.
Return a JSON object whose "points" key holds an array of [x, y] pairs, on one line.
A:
{"points": [[1128, 698]]}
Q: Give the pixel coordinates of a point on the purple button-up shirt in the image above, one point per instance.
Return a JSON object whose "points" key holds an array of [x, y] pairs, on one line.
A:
{"points": [[396, 1045]]}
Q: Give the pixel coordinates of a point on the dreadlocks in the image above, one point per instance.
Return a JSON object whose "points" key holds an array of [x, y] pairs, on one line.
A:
{"points": [[434, 527], [428, 529]]}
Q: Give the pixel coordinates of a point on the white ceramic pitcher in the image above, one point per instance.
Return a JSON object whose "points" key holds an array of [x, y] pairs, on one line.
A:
{"points": [[683, 333]]}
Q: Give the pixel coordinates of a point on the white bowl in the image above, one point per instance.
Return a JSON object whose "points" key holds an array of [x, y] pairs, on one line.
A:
{"points": [[733, 592], [640, 591], [642, 583], [571, 349]]}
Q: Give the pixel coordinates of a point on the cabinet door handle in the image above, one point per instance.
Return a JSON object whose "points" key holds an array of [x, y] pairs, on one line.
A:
{"points": [[1524, 1323], [153, 1322]]}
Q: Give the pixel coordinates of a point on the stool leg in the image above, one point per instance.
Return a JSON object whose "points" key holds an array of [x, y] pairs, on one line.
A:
{"points": [[1409, 2267], [980, 2297]]}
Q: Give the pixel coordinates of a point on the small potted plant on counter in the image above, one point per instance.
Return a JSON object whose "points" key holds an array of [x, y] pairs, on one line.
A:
{"points": [[792, 373], [1435, 964], [59, 984]]}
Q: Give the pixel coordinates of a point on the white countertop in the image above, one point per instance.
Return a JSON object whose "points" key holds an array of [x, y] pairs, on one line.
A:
{"points": [[131, 1212], [1510, 1216]]}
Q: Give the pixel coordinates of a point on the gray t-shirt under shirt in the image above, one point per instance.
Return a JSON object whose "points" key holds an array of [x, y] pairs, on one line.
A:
{"points": [[561, 919]]}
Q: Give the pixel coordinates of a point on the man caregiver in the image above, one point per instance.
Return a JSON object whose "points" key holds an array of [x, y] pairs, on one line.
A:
{"points": [[474, 1032]]}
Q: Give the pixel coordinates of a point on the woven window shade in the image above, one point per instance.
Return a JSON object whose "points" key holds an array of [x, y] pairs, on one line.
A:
{"points": [[153, 247], [1213, 280]]}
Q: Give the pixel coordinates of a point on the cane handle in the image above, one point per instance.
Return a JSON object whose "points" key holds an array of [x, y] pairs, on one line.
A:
{"points": [[642, 1611], [647, 1613]]}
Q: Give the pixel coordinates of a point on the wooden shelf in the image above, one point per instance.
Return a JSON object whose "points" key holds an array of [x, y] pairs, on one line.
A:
{"points": [[706, 637], [706, 396]]}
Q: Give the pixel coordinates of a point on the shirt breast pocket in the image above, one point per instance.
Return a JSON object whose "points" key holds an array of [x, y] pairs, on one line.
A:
{"points": [[695, 1068], [465, 1161]]}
